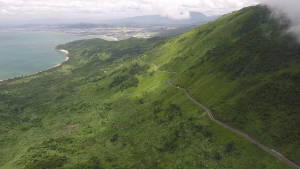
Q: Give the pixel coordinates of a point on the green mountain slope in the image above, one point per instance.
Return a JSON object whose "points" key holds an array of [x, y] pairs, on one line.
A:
{"points": [[105, 109], [174, 32], [246, 69]]}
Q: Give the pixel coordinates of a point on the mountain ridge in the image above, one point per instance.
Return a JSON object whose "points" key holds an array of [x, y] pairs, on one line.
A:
{"points": [[103, 108], [251, 34], [159, 20]]}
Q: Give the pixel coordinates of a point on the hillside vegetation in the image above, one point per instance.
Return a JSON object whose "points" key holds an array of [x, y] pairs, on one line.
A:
{"points": [[245, 68], [106, 109]]}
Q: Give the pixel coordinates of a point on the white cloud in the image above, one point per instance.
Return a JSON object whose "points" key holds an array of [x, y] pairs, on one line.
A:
{"points": [[290, 9], [6, 12], [179, 9], [176, 9]]}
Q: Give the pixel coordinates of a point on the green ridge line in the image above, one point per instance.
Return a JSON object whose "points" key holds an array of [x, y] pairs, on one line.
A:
{"points": [[269, 150], [273, 152]]}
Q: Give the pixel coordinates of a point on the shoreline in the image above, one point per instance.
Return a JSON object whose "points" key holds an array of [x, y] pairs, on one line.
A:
{"points": [[67, 54], [62, 50], [104, 37]]}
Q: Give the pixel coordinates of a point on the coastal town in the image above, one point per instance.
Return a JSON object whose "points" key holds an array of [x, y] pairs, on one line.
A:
{"points": [[108, 33], [111, 33]]}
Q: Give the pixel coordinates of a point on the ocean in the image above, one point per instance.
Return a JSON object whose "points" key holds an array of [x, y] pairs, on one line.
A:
{"points": [[27, 53]]}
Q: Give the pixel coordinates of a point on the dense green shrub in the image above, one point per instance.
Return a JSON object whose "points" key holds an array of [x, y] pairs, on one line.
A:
{"points": [[47, 162]]}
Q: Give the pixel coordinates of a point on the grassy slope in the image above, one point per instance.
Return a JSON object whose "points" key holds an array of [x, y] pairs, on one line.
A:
{"points": [[174, 32], [83, 115], [246, 70]]}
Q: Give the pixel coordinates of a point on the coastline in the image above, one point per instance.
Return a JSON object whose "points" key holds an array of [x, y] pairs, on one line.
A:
{"points": [[62, 50], [104, 37], [67, 54]]}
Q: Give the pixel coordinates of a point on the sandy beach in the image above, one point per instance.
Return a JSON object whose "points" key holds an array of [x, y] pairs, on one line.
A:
{"points": [[65, 51], [67, 54], [67, 58]]}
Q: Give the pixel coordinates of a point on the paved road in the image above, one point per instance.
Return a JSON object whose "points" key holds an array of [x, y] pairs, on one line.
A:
{"points": [[237, 131], [273, 152]]}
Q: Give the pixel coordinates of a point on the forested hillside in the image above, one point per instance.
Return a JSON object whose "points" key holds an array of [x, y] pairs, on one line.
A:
{"points": [[105, 108], [245, 68]]}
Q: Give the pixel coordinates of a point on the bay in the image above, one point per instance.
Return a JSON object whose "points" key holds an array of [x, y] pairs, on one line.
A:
{"points": [[27, 53]]}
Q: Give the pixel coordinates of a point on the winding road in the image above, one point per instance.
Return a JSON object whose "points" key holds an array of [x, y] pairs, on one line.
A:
{"points": [[273, 152]]}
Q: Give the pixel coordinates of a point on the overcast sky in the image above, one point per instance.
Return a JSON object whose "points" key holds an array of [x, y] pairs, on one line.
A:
{"points": [[21, 10]]}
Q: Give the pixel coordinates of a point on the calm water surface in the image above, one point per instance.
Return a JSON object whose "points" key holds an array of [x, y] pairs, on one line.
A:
{"points": [[26, 53]]}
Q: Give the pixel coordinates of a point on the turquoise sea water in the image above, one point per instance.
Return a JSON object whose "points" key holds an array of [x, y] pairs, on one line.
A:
{"points": [[26, 53]]}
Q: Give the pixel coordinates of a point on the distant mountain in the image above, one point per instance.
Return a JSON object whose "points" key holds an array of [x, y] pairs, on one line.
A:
{"points": [[196, 18], [127, 24], [167, 33], [68, 26], [182, 28], [159, 20], [108, 107]]}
